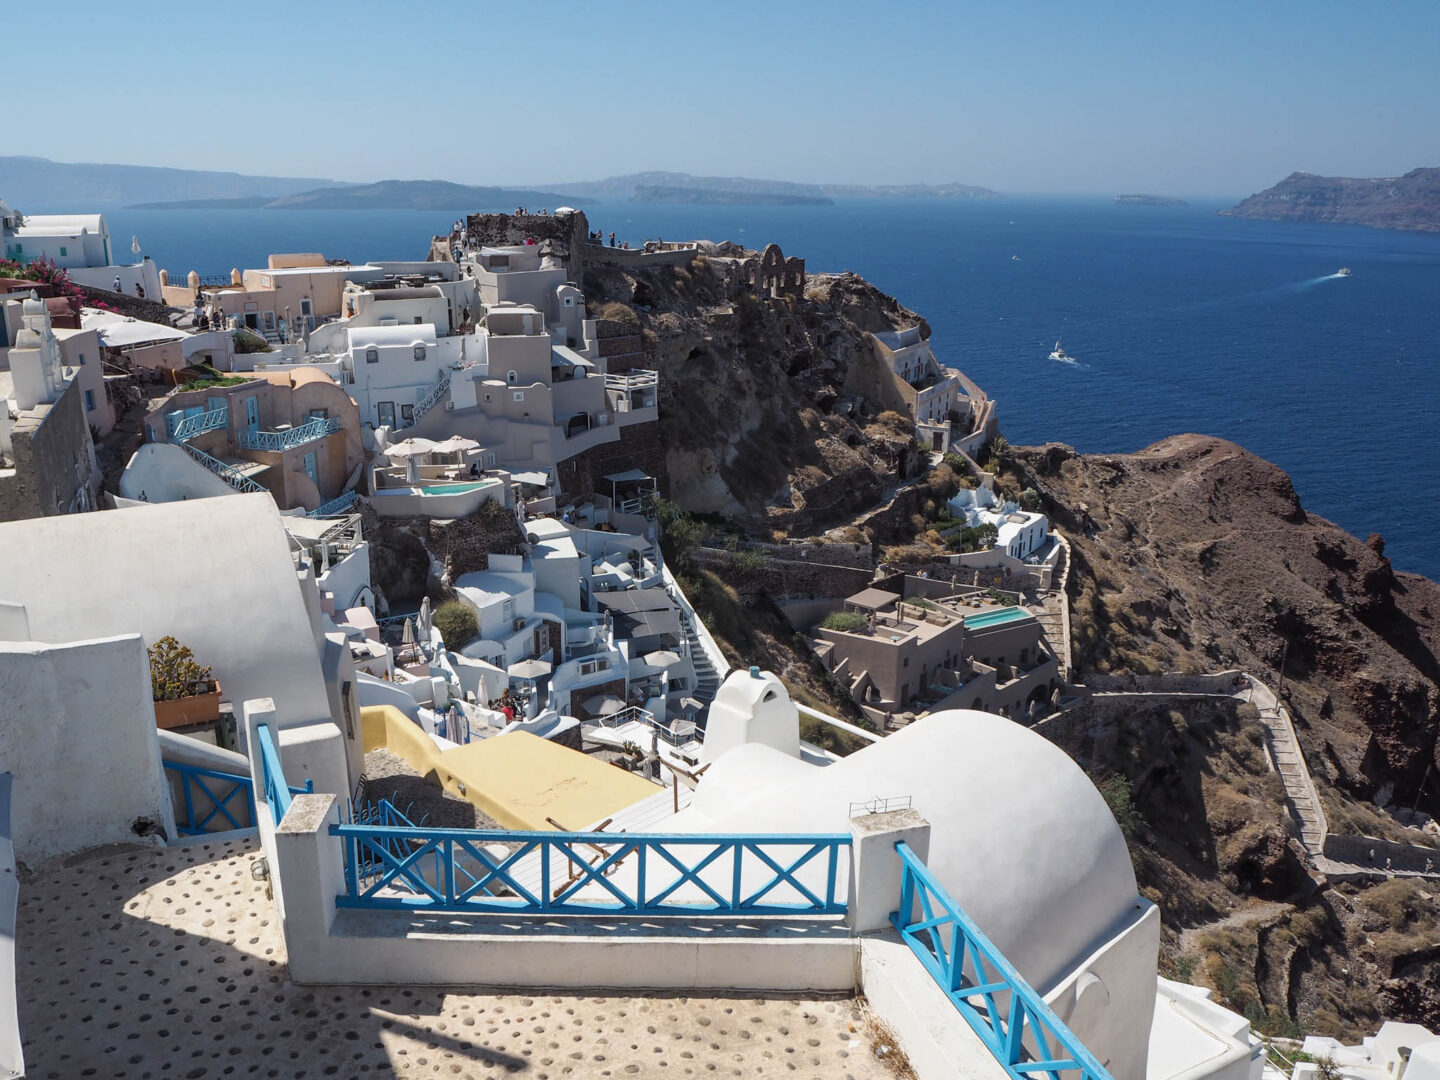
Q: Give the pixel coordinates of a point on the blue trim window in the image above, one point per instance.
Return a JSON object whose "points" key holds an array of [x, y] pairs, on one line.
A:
{"points": [[89, 400]]}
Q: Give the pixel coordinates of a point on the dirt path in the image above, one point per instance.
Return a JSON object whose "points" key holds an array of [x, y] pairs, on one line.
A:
{"points": [[1190, 939]]}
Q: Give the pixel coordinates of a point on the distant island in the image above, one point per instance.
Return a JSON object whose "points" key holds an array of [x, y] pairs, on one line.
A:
{"points": [[386, 195], [39, 183], [1410, 202], [708, 197], [1148, 200], [619, 188]]}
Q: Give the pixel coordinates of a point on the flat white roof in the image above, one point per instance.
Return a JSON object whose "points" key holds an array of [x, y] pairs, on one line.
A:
{"points": [[402, 334], [61, 224], [291, 271], [117, 330]]}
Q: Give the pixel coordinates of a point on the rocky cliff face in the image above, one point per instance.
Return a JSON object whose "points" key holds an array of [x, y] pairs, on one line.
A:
{"points": [[1411, 201], [755, 413]]}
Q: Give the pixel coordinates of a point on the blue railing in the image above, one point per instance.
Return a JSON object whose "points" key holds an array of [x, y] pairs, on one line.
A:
{"points": [[547, 872], [276, 441], [277, 792], [206, 787], [232, 476], [335, 507], [190, 426], [989, 993]]}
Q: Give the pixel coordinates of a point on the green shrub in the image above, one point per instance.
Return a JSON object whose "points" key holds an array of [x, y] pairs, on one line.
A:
{"points": [[174, 674], [1030, 500], [1116, 791], [849, 621], [457, 624], [972, 538], [247, 341]]}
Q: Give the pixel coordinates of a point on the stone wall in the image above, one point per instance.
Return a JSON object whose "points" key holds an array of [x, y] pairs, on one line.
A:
{"points": [[1172, 682], [640, 447], [1088, 729], [567, 234], [465, 544], [52, 462], [785, 578]]}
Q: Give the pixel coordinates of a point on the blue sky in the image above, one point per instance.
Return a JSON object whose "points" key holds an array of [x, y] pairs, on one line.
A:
{"points": [[1216, 98]]}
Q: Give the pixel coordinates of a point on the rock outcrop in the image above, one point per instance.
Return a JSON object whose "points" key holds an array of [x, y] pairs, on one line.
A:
{"points": [[1411, 201]]}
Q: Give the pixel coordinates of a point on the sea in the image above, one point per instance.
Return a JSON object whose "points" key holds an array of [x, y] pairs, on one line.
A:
{"points": [[1177, 320]]}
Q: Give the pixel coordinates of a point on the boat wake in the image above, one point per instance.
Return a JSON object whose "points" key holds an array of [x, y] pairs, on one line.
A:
{"points": [[1301, 286]]}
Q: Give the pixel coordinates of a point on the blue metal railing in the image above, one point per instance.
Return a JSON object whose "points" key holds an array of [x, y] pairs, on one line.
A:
{"points": [[335, 507], [276, 441], [546, 872], [1002, 1008], [277, 791], [190, 426], [218, 789], [232, 476]]}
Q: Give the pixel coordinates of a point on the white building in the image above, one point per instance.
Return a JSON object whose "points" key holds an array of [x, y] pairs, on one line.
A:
{"points": [[77, 243]]}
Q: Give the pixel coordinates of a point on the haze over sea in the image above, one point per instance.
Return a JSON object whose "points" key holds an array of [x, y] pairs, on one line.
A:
{"points": [[1179, 320]]}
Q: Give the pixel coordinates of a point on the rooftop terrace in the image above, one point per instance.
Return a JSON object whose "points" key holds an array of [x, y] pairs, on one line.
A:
{"points": [[170, 963]]}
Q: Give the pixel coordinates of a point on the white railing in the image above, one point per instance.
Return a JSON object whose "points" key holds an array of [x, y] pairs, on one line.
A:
{"points": [[433, 398], [277, 441], [633, 380]]}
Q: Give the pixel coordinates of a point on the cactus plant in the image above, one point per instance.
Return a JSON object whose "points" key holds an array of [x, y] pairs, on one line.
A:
{"points": [[174, 674]]}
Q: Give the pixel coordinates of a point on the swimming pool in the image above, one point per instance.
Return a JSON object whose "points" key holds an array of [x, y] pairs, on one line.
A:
{"points": [[457, 488], [995, 618]]}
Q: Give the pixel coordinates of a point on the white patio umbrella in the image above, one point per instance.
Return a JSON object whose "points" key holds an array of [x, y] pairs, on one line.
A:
{"points": [[412, 469], [662, 658], [407, 635], [603, 705], [409, 448], [454, 444], [529, 669], [424, 626]]}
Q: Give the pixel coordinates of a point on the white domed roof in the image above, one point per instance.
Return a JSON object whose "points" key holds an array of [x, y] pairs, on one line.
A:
{"points": [[1019, 835]]}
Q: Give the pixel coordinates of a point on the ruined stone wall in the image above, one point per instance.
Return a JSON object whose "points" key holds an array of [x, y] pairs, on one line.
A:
{"points": [[566, 234]]}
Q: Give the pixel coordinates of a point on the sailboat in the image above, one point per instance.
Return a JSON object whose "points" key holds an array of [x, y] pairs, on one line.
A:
{"points": [[1061, 355]]}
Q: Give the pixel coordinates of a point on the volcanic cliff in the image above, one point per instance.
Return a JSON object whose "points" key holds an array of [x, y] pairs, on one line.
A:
{"points": [[1411, 201]]}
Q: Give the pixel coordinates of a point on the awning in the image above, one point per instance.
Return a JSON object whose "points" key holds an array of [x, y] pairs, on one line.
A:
{"points": [[539, 479], [643, 624], [529, 669], [872, 599], [629, 476], [621, 600]]}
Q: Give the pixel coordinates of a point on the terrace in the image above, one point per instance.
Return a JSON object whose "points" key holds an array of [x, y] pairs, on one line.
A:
{"points": [[287, 437]]}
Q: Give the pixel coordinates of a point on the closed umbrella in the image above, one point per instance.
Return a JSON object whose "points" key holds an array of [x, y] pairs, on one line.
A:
{"points": [[424, 626]]}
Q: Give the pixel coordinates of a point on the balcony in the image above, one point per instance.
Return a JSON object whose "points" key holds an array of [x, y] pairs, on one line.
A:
{"points": [[288, 438], [187, 427]]}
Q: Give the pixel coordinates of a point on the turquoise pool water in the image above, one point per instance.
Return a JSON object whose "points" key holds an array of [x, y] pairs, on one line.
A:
{"points": [[456, 488], [995, 618]]}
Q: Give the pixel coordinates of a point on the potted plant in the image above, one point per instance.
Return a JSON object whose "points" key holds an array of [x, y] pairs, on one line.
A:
{"points": [[184, 692]]}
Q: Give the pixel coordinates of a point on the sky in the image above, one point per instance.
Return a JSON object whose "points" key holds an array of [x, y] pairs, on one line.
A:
{"points": [[1214, 98]]}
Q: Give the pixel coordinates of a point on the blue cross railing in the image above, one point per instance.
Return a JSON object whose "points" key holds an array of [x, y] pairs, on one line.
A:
{"points": [[277, 792], [1023, 1032], [431, 399], [232, 476], [555, 873], [190, 426], [276, 441], [335, 507], [202, 788]]}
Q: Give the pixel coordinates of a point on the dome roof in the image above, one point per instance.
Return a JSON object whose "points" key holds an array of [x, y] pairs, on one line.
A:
{"points": [[1019, 835]]}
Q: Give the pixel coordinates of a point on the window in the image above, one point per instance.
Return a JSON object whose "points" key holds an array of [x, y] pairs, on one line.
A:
{"points": [[319, 414], [80, 360], [569, 301], [306, 308], [517, 395], [89, 400], [490, 460], [64, 252], [511, 378], [407, 415], [417, 323], [372, 356], [419, 352], [507, 610]]}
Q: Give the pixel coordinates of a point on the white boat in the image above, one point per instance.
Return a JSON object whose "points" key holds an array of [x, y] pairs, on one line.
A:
{"points": [[1344, 271], [1061, 355]]}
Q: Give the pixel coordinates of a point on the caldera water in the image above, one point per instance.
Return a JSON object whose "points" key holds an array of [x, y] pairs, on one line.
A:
{"points": [[1176, 319]]}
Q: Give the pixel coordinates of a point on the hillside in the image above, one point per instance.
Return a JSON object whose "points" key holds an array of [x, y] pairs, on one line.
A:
{"points": [[35, 181], [1411, 201]]}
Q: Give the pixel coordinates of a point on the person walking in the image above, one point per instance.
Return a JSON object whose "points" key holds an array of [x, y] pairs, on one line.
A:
{"points": [[115, 285]]}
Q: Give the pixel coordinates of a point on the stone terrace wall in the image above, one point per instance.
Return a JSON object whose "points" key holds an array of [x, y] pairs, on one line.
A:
{"points": [[1173, 682], [786, 578]]}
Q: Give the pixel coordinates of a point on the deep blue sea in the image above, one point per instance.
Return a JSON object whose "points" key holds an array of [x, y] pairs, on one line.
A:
{"points": [[1180, 320]]}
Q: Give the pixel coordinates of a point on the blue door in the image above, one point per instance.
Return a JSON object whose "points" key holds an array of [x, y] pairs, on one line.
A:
{"points": [[252, 413], [310, 469]]}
